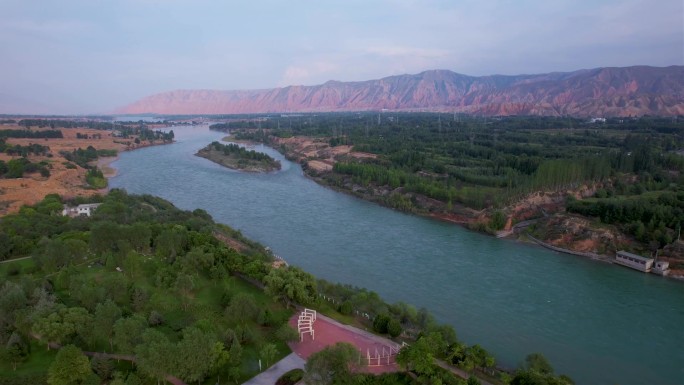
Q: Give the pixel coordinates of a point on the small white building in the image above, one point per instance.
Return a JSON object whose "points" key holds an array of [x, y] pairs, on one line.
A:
{"points": [[661, 268], [634, 261], [85, 209]]}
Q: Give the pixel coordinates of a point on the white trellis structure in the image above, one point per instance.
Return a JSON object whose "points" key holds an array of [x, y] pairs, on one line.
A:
{"points": [[382, 355], [305, 323]]}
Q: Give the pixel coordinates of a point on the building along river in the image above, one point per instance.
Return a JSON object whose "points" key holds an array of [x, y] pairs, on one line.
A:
{"points": [[598, 323]]}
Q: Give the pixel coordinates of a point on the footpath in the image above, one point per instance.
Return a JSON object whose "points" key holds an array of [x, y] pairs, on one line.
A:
{"points": [[271, 375]]}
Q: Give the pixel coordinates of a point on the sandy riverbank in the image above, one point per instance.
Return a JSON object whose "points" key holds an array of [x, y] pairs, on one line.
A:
{"points": [[104, 164]]}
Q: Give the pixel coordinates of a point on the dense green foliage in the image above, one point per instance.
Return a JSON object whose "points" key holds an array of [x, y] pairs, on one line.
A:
{"points": [[20, 150], [144, 133], [636, 164], [538, 371], [95, 178], [154, 284], [138, 278], [334, 363], [291, 377], [65, 123], [652, 211], [240, 151], [482, 163], [16, 168], [82, 157]]}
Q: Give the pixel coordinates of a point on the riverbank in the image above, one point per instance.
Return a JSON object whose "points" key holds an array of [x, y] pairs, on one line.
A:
{"points": [[572, 233], [104, 164], [65, 177]]}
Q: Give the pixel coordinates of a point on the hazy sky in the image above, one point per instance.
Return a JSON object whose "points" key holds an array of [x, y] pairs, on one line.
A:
{"points": [[91, 56]]}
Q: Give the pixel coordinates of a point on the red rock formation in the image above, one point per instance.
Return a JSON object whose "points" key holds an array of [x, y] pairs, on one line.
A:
{"points": [[630, 91]]}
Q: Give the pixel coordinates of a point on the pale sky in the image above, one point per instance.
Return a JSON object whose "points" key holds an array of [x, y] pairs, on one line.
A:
{"points": [[92, 56]]}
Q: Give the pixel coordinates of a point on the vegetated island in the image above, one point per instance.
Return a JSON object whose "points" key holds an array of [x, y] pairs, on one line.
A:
{"points": [[66, 155], [141, 292], [236, 157], [591, 186]]}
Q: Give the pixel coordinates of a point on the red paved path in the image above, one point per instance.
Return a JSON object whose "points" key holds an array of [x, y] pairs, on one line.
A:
{"points": [[328, 332]]}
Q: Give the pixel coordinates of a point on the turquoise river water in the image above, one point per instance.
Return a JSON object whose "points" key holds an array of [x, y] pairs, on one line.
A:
{"points": [[598, 323]]}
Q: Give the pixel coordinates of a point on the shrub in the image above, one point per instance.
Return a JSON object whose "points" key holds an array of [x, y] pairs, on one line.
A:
{"points": [[394, 328], [380, 323], [291, 377], [346, 308], [155, 318]]}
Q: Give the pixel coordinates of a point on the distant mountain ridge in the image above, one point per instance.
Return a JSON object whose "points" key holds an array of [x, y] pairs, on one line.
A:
{"points": [[600, 92]]}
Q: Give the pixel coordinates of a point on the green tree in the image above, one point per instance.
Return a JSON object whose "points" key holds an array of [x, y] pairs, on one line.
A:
{"points": [[346, 307], [336, 362], [195, 355], [394, 328], [16, 350], [185, 284], [287, 333], [536, 362], [171, 242], [380, 323], [220, 357], [15, 169], [242, 308], [106, 314], [476, 356], [156, 355], [128, 333], [103, 367], [12, 298], [291, 284], [235, 361], [418, 357], [70, 367], [268, 353], [63, 324]]}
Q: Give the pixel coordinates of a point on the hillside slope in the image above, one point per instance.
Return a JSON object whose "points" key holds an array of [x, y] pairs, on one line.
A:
{"points": [[629, 91]]}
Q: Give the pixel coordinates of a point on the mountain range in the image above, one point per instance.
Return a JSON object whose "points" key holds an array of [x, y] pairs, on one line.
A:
{"points": [[599, 92]]}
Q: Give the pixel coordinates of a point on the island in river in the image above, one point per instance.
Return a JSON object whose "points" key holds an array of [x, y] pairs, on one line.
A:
{"points": [[238, 158]]}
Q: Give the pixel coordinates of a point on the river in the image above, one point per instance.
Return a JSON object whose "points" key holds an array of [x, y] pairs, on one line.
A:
{"points": [[598, 323]]}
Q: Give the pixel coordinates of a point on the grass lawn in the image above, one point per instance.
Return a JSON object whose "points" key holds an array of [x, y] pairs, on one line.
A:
{"points": [[14, 268], [38, 363]]}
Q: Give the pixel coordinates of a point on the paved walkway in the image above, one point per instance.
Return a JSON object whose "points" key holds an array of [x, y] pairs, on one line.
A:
{"points": [[270, 376], [15, 259]]}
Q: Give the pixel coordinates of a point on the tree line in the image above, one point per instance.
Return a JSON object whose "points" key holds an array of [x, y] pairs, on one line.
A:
{"points": [[491, 163], [31, 134]]}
